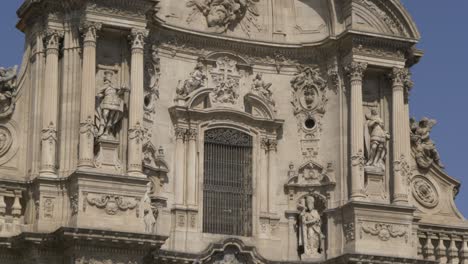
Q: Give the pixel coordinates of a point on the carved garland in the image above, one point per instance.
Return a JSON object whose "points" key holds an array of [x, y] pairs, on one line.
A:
{"points": [[384, 231], [112, 204]]}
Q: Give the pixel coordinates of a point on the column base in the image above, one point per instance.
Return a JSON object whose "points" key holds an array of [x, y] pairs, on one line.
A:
{"points": [[400, 199]]}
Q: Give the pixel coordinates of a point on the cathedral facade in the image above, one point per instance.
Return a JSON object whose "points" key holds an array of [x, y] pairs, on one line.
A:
{"points": [[220, 131]]}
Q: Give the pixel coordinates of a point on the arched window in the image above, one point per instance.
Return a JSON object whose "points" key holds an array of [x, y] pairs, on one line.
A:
{"points": [[227, 192]]}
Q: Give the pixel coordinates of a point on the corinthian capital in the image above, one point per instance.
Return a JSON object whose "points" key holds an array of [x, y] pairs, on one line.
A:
{"points": [[137, 38], [52, 39], [401, 77], [89, 31], [356, 70]]}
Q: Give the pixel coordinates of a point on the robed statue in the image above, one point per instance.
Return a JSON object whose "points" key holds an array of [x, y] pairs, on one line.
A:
{"points": [[310, 229]]}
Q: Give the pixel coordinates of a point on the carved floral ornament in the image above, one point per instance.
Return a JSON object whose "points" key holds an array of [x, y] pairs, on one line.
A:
{"points": [[424, 192], [384, 231], [111, 204]]}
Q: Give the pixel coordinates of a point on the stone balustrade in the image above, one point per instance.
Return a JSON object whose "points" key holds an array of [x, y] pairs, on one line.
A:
{"points": [[10, 212], [447, 246]]}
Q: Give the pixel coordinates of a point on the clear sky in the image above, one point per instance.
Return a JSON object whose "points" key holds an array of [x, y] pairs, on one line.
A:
{"points": [[440, 91]]}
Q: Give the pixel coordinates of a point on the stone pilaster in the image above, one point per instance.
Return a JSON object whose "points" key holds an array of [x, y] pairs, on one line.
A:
{"points": [[263, 181], [179, 175], [192, 135], [88, 92], [272, 178], [356, 72], [399, 136], [50, 104], [136, 132]]}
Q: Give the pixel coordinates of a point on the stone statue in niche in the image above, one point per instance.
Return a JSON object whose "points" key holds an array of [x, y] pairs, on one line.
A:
{"points": [[222, 15], [310, 229], [376, 138], [423, 147], [7, 90], [110, 106], [196, 81], [260, 87], [152, 89]]}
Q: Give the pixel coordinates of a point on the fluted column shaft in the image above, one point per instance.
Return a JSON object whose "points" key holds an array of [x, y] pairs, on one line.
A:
{"points": [[263, 181], [192, 167], [50, 104], [400, 136], [88, 92], [136, 131], [272, 181], [356, 72], [179, 175]]}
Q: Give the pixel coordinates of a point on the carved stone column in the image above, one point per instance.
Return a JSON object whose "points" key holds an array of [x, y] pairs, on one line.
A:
{"points": [[50, 104], [88, 92], [192, 135], [179, 175], [263, 181], [399, 137], [136, 131], [356, 72], [272, 181]]}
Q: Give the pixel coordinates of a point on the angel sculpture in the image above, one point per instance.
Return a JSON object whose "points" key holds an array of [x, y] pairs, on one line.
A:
{"points": [[222, 15], [376, 140], [110, 106], [196, 81], [423, 147], [262, 88], [7, 90]]}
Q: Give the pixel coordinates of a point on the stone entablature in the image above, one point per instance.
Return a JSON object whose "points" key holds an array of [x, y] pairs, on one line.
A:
{"points": [[123, 92]]}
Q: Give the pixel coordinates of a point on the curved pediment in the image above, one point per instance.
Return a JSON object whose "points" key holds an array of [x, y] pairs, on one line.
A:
{"points": [[289, 22]]}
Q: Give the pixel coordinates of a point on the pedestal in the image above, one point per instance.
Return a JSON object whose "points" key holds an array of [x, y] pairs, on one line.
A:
{"points": [[375, 183], [108, 155]]}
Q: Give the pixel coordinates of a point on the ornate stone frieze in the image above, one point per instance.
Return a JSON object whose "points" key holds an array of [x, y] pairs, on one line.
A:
{"points": [[111, 203], [8, 90], [196, 81], [424, 149], [385, 232], [424, 192], [121, 8], [223, 15]]}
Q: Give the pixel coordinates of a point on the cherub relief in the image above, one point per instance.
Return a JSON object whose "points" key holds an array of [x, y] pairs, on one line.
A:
{"points": [[222, 15]]}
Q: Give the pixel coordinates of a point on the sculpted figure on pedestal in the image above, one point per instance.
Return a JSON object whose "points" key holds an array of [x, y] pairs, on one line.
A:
{"points": [[110, 106], [423, 147], [376, 140], [260, 87], [222, 15], [153, 75], [7, 90], [150, 212], [310, 229], [196, 81]]}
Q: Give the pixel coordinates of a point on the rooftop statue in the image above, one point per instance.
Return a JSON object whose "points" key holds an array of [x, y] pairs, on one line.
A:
{"points": [[7, 90], [423, 147]]}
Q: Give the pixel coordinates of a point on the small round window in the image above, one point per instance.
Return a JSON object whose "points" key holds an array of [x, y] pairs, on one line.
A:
{"points": [[310, 123]]}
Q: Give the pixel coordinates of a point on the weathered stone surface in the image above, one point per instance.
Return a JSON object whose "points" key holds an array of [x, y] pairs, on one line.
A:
{"points": [[220, 131]]}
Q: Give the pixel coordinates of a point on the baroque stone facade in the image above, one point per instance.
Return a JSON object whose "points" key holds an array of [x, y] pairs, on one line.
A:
{"points": [[220, 131]]}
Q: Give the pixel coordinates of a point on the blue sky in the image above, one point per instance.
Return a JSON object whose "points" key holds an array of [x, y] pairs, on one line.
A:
{"points": [[440, 78]]}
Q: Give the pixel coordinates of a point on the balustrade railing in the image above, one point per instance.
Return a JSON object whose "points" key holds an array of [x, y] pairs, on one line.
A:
{"points": [[444, 244]]}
